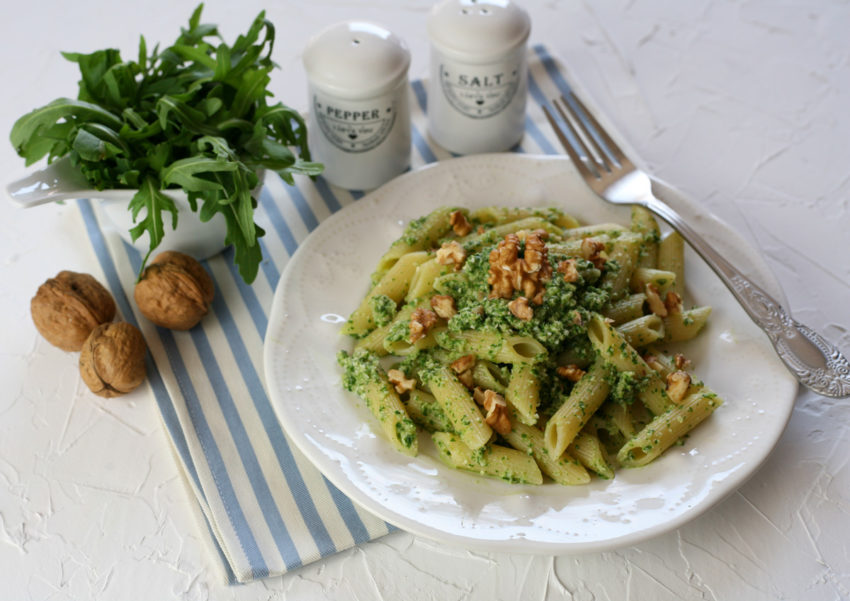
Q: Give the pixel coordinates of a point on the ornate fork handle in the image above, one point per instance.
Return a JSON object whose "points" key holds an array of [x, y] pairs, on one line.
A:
{"points": [[817, 363]]}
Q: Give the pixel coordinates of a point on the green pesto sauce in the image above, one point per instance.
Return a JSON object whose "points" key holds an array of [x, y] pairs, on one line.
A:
{"points": [[513, 478], [415, 362], [400, 330], [422, 363], [625, 385], [383, 309], [479, 456], [554, 321], [412, 231], [406, 431], [359, 369], [435, 416]]}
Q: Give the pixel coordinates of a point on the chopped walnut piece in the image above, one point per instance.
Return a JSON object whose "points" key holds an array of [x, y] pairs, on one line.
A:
{"points": [[677, 385], [681, 361], [463, 368], [497, 410], [443, 305], [535, 256], [594, 251], [568, 268], [654, 363], [460, 225], [421, 321], [528, 288], [520, 309], [653, 299], [535, 266], [571, 372], [478, 395], [528, 275], [540, 233], [400, 382], [673, 303], [466, 379], [577, 318], [451, 253], [463, 364], [504, 262]]}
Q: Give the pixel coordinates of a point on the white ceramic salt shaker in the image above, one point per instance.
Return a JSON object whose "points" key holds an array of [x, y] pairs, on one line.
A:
{"points": [[359, 122], [479, 74]]}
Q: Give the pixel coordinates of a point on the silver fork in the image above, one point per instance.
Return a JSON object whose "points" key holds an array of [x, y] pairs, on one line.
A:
{"points": [[817, 363]]}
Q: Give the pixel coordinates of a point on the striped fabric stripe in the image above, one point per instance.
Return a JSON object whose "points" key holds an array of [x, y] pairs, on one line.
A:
{"points": [[267, 509]]}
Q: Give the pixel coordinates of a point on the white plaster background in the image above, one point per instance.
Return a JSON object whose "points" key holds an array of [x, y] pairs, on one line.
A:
{"points": [[744, 105]]}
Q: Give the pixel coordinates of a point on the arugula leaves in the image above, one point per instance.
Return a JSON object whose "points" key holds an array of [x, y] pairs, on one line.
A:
{"points": [[194, 115]]}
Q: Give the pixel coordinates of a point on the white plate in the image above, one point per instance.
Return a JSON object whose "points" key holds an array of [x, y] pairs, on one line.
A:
{"points": [[328, 276]]}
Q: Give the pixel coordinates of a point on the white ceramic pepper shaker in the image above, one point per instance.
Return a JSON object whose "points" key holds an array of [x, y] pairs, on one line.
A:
{"points": [[359, 122], [479, 74]]}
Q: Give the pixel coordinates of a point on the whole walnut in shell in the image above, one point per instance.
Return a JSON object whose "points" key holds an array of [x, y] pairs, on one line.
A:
{"points": [[174, 291], [65, 309], [112, 361]]}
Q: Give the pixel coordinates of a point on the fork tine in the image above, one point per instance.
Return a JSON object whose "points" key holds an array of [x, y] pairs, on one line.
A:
{"points": [[599, 155], [582, 167], [586, 155], [613, 148]]}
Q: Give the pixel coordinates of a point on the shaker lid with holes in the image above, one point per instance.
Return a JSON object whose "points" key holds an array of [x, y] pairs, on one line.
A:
{"points": [[478, 30], [356, 59]]}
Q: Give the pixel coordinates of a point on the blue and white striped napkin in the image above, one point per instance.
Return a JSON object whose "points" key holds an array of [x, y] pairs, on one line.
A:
{"points": [[267, 509]]}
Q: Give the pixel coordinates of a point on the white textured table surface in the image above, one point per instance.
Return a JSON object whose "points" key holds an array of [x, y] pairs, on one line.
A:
{"points": [[741, 104]]}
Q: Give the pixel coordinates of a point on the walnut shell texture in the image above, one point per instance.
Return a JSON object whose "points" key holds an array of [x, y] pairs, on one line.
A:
{"points": [[112, 361], [174, 291], [65, 309]]}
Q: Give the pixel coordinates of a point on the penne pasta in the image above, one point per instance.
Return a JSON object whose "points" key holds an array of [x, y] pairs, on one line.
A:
{"points": [[663, 280], [374, 341], [426, 412], [420, 234], [679, 327], [663, 431], [364, 376], [564, 469], [532, 340], [486, 375], [422, 282], [498, 215], [494, 461], [586, 397], [645, 224], [625, 255], [494, 346], [499, 231], [523, 392], [458, 406], [671, 257], [588, 449], [642, 331], [626, 309], [394, 285], [614, 348]]}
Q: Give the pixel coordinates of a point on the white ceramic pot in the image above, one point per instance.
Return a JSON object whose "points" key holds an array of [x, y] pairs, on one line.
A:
{"points": [[61, 181], [192, 237]]}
